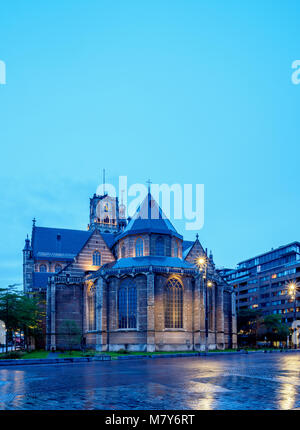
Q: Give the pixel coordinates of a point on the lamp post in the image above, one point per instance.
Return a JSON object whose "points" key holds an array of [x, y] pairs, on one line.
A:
{"points": [[202, 263], [292, 292]]}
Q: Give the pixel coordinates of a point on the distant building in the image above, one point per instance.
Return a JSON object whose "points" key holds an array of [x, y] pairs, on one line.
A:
{"points": [[128, 285], [2, 333], [261, 282]]}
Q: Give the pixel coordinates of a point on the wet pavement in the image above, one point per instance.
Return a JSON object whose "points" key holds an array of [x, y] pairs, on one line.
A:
{"points": [[254, 381]]}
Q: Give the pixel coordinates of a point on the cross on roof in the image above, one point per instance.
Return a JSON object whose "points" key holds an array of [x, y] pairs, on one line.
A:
{"points": [[149, 184]]}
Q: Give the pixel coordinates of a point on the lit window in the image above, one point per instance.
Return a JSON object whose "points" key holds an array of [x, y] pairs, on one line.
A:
{"points": [[139, 247], [96, 258], [160, 246], [43, 268], [127, 305], [173, 301]]}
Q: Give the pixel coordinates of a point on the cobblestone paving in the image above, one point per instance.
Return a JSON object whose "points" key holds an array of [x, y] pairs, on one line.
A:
{"points": [[254, 381]]}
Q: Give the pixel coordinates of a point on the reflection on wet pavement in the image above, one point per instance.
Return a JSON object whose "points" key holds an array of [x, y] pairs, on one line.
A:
{"points": [[254, 381]]}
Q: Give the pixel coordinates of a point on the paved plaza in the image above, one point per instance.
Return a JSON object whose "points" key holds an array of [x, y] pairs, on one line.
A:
{"points": [[253, 381]]}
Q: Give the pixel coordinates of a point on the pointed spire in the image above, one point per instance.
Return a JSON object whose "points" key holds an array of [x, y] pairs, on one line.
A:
{"points": [[197, 236], [27, 246], [33, 222]]}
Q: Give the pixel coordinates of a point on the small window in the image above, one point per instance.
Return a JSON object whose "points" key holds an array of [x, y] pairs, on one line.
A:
{"points": [[57, 268], [139, 247], [96, 258], [123, 251], [43, 268], [106, 207], [160, 246], [106, 220]]}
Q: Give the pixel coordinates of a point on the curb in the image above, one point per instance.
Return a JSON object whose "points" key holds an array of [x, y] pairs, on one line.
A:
{"points": [[16, 362]]}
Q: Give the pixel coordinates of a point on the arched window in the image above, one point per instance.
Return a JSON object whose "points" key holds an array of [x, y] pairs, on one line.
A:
{"points": [[43, 268], [127, 305], [173, 301], [175, 249], [57, 268], [105, 207], [160, 246], [139, 247], [96, 258], [123, 251], [106, 220], [91, 302]]}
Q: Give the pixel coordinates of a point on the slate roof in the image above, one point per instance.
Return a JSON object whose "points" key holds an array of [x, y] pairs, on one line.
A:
{"points": [[149, 218], [62, 244], [151, 261]]}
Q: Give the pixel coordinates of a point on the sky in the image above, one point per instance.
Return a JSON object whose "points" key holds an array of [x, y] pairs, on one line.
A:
{"points": [[188, 92]]}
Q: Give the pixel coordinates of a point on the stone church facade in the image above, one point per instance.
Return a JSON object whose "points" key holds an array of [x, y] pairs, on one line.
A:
{"points": [[128, 284]]}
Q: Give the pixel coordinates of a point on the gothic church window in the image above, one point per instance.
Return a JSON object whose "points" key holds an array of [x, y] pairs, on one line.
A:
{"points": [[173, 301], [127, 305], [175, 249], [43, 268], [160, 246], [57, 268], [139, 247], [96, 258]]}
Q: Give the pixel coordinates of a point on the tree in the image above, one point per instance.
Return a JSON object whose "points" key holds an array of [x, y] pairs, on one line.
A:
{"points": [[273, 329], [9, 298], [19, 312]]}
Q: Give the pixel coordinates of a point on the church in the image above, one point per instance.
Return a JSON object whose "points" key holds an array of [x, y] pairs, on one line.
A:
{"points": [[128, 284]]}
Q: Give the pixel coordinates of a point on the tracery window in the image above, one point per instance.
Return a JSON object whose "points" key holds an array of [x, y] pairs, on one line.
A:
{"points": [[160, 246], [175, 249], [139, 247], [57, 268], [173, 301], [43, 268], [127, 305], [96, 258]]}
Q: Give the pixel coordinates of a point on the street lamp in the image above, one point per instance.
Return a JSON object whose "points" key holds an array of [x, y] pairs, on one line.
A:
{"points": [[292, 292], [202, 263]]}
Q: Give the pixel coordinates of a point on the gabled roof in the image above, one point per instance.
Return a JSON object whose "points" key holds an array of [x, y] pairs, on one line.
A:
{"points": [[149, 218], [62, 244], [186, 247]]}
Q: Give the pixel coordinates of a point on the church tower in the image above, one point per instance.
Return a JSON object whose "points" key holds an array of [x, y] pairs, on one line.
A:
{"points": [[104, 213]]}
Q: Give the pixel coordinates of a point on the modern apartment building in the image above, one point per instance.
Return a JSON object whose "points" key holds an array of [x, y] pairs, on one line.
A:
{"points": [[262, 282]]}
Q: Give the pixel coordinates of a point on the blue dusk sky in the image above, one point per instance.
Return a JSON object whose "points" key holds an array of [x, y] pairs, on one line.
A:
{"points": [[179, 91]]}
